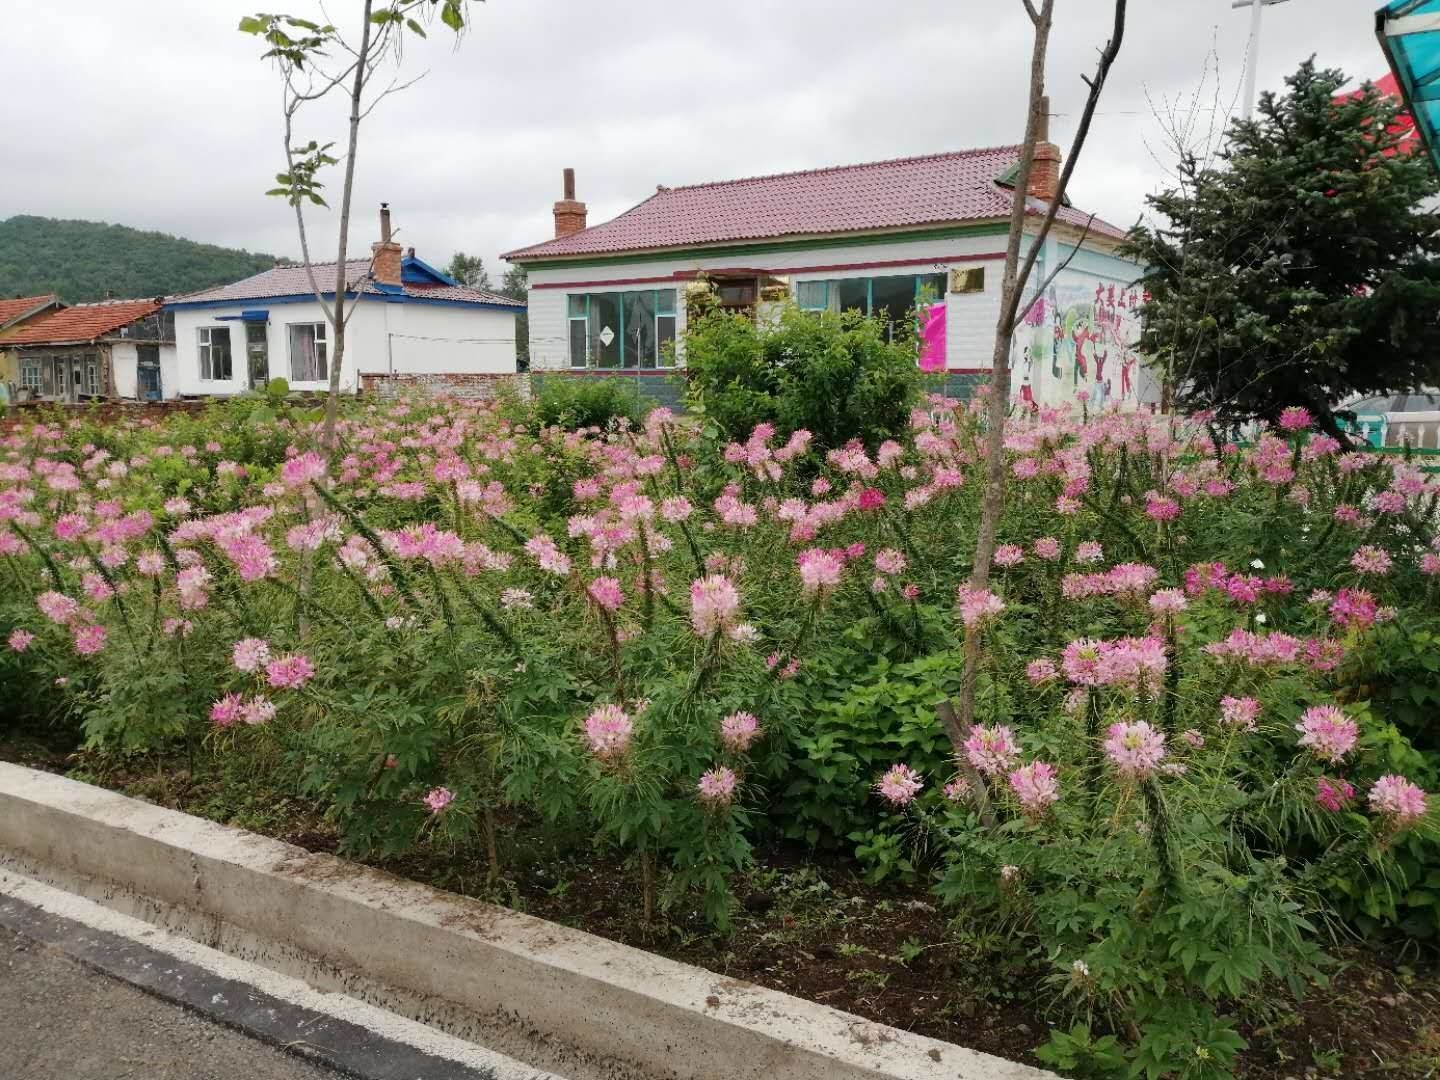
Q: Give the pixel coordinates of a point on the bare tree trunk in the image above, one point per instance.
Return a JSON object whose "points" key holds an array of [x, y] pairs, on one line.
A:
{"points": [[1012, 288], [337, 317]]}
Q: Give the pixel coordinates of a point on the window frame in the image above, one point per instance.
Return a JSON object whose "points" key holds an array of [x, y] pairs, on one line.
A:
{"points": [[208, 349], [321, 341], [660, 310]]}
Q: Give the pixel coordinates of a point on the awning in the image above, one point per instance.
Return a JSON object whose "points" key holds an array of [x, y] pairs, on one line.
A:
{"points": [[245, 316], [1409, 32]]}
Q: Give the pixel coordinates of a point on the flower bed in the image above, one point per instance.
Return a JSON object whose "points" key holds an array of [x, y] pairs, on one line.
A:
{"points": [[1200, 747]]}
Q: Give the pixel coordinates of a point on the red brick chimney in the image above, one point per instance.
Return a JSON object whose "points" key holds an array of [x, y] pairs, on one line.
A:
{"points": [[1045, 171], [385, 256], [569, 214]]}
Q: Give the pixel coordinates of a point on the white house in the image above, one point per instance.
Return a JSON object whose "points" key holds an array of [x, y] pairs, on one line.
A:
{"points": [[889, 236], [410, 319]]}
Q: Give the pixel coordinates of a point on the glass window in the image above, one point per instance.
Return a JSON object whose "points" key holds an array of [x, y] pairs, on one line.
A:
{"points": [[30, 374], [308, 352], [930, 288], [621, 330], [854, 295], [577, 341], [813, 295], [640, 329], [215, 353], [92, 375], [606, 329]]}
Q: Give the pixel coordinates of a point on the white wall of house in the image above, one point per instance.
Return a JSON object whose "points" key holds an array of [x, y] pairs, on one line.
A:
{"points": [[124, 358], [380, 337], [125, 366]]}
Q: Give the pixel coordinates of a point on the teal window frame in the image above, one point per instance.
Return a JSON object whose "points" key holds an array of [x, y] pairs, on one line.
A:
{"points": [[664, 305]]}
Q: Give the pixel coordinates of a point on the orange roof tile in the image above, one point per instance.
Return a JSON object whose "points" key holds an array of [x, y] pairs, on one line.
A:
{"points": [[18, 308], [83, 322]]}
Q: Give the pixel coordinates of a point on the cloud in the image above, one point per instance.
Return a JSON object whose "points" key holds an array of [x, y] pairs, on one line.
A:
{"points": [[160, 115]]}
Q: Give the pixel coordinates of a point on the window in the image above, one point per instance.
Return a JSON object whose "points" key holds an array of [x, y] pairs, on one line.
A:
{"points": [[92, 375], [894, 296], [622, 330], [970, 279], [30, 374], [308, 352], [215, 354]]}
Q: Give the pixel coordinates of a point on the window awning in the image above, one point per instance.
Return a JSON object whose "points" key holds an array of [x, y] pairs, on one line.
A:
{"points": [[1409, 32], [245, 316]]}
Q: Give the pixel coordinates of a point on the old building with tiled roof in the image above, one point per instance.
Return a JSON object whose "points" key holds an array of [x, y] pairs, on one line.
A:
{"points": [[112, 349]]}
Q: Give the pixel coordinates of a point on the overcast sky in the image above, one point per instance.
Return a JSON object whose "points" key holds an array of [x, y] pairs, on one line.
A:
{"points": [[159, 114]]}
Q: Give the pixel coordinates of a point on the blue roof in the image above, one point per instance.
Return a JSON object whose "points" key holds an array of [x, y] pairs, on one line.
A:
{"points": [[1409, 32]]}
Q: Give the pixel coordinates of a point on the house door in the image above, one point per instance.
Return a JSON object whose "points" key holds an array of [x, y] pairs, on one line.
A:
{"points": [[147, 373], [75, 384], [257, 353]]}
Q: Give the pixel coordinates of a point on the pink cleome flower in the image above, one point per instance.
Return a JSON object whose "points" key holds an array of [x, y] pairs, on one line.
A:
{"points": [[977, 606], [226, 710], [717, 786], [1295, 418], [57, 607], [1354, 608], [90, 640], [1239, 712], [1009, 555], [1168, 601], [890, 561], [1135, 749], [257, 710], [1040, 671], [607, 730], [1036, 787], [1333, 795], [714, 604], [606, 593], [289, 672], [899, 785], [437, 799], [739, 730], [820, 570], [1371, 560], [303, 469], [1047, 548], [991, 750], [1397, 799], [19, 640], [1089, 551], [250, 654], [1328, 732]]}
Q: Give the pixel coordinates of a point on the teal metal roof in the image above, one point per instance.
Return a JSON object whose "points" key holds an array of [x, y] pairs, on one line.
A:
{"points": [[1409, 32]]}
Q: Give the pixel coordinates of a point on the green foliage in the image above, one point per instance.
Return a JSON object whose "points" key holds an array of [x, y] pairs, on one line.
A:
{"points": [[574, 402], [1303, 267], [835, 376], [516, 285], [87, 260], [1080, 1054], [469, 270]]}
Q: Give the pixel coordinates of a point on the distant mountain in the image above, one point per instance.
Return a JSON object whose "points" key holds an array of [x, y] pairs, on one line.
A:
{"points": [[88, 260]]}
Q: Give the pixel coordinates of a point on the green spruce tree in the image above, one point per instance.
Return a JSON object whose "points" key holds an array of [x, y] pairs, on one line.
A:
{"points": [[1300, 268]]}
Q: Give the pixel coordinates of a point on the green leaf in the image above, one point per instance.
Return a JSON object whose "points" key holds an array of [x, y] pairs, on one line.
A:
{"points": [[415, 27], [452, 16]]}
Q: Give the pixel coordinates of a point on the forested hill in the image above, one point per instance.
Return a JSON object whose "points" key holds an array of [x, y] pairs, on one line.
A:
{"points": [[85, 260]]}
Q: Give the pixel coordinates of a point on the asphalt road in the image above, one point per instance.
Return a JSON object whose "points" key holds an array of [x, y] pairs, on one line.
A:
{"points": [[62, 1021]]}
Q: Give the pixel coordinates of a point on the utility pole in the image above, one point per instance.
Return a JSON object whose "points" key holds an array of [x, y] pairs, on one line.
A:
{"points": [[1252, 55]]}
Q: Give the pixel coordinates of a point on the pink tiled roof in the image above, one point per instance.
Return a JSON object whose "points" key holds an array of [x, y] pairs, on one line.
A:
{"points": [[293, 281], [903, 194], [83, 322]]}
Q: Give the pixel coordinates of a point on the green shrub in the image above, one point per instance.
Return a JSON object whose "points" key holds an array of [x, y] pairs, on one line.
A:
{"points": [[836, 376], [576, 401]]}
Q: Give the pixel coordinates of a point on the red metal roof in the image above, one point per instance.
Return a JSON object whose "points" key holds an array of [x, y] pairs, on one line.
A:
{"points": [[293, 281], [906, 193], [18, 308], [83, 322]]}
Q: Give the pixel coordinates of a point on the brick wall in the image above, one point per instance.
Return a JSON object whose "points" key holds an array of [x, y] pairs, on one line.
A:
{"points": [[484, 386]]}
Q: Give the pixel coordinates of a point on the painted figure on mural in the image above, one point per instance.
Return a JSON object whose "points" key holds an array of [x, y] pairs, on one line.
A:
{"points": [[1087, 331]]}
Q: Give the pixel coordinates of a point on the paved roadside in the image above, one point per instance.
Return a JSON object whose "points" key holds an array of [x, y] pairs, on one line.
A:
{"points": [[62, 1021]]}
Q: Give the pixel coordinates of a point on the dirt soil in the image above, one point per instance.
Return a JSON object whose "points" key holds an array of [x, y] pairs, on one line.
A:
{"points": [[809, 926]]}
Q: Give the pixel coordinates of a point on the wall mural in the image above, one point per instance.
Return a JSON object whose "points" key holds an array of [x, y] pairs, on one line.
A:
{"points": [[1080, 336]]}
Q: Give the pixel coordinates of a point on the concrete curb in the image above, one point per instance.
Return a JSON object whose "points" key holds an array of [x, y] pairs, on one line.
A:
{"points": [[605, 1000]]}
